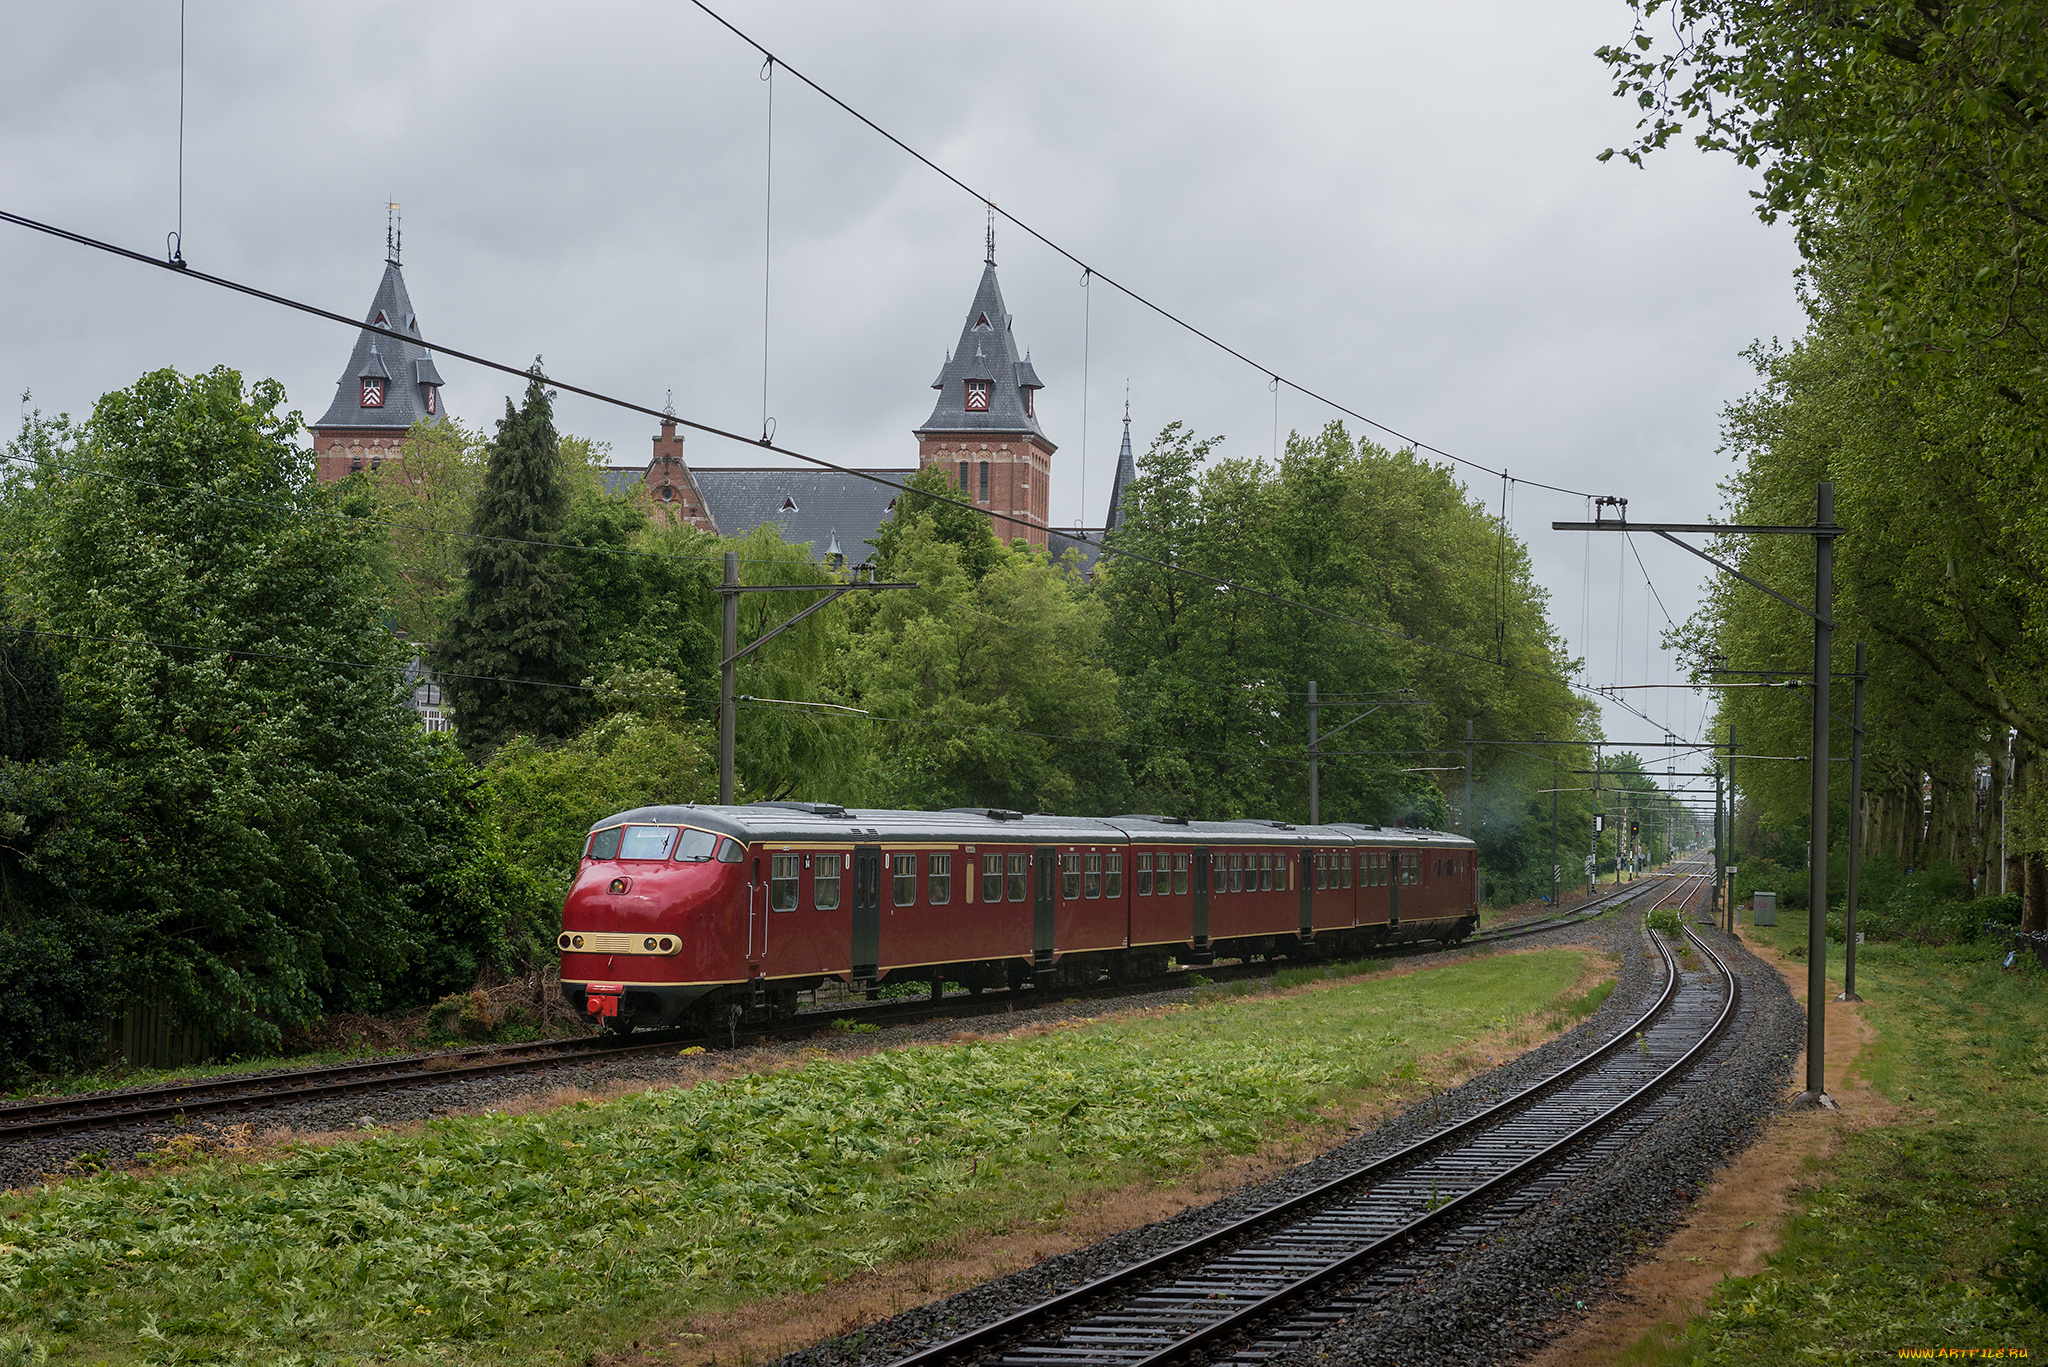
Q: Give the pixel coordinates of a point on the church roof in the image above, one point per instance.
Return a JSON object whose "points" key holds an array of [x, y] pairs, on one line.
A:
{"points": [[987, 352], [407, 364], [1126, 476], [822, 508]]}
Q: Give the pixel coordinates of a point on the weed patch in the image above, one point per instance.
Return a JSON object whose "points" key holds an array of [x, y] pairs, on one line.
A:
{"points": [[1928, 1234], [540, 1237]]}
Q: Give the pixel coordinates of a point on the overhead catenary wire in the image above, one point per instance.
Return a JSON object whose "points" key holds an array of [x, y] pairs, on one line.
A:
{"points": [[1126, 290], [535, 374]]}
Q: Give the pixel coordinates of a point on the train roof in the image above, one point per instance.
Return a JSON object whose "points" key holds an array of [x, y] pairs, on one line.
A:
{"points": [[810, 821]]}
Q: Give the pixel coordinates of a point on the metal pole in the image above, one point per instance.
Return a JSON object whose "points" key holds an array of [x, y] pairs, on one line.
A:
{"points": [[1599, 762], [1556, 782], [728, 708], [1720, 860], [1817, 864], [1855, 832], [1468, 778], [1314, 806]]}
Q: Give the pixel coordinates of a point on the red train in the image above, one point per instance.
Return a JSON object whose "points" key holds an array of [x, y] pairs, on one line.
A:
{"points": [[692, 914]]}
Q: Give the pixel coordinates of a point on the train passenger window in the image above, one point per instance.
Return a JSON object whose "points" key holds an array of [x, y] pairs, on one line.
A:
{"points": [[939, 886], [904, 867], [782, 876], [1070, 877], [1344, 860], [825, 881], [1322, 869], [1020, 864], [1265, 873], [1219, 872], [647, 842], [1113, 874], [1091, 884], [695, 846], [991, 878], [1180, 874], [1143, 869], [731, 851], [605, 844], [1237, 873]]}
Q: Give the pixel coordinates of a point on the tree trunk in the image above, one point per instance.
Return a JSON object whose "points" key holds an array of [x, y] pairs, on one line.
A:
{"points": [[2034, 907], [1937, 820]]}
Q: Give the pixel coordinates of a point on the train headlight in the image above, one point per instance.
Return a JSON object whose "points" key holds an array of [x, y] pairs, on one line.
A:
{"points": [[648, 944], [619, 885], [667, 945], [564, 941], [576, 940]]}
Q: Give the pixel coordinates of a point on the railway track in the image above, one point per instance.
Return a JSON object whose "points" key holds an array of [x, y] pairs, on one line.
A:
{"points": [[1269, 1281], [176, 1102]]}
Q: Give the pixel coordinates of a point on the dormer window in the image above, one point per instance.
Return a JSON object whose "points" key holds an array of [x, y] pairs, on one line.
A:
{"points": [[373, 393], [433, 400], [788, 504], [982, 324], [977, 396], [380, 321], [1030, 403]]}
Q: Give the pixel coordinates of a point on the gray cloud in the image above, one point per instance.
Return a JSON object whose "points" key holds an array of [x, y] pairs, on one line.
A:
{"points": [[1395, 204]]}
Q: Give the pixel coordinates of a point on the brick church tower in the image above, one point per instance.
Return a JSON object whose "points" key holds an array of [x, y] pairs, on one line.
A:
{"points": [[984, 430], [389, 385]]}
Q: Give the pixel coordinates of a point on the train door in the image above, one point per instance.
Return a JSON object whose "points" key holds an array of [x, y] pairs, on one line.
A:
{"points": [[1302, 862], [1044, 866], [1203, 954], [867, 911]]}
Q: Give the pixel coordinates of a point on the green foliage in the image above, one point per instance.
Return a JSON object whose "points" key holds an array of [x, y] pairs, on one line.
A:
{"points": [[1666, 919], [516, 619], [1925, 1232], [989, 676], [2021, 1271], [31, 701], [537, 1237], [237, 822], [1906, 143], [1213, 684], [543, 799]]}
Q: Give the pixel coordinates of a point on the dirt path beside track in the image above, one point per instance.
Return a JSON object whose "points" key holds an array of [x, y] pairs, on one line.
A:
{"points": [[1737, 1222]]}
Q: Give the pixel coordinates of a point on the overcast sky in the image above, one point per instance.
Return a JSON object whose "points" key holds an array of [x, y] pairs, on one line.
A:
{"points": [[1395, 204]]}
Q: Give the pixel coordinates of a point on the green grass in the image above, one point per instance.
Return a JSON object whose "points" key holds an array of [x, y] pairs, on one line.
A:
{"points": [[539, 1238], [1923, 1236]]}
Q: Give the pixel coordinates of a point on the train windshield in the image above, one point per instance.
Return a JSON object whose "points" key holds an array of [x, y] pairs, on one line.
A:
{"points": [[605, 844], [695, 847], [647, 842]]}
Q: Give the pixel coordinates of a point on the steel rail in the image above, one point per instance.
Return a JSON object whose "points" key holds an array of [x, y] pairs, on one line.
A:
{"points": [[1348, 1268], [979, 1340], [178, 1101]]}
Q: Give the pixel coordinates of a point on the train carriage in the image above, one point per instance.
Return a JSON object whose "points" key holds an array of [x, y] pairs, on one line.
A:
{"points": [[703, 914]]}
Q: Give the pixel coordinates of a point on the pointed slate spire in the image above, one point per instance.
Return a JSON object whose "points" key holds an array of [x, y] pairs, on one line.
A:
{"points": [[985, 387], [1126, 474], [411, 387]]}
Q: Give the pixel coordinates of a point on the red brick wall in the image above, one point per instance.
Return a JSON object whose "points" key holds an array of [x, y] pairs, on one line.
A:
{"points": [[339, 452], [1019, 477], [666, 471]]}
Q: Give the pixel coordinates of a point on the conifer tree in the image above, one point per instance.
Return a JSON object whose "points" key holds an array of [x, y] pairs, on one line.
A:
{"points": [[514, 620]]}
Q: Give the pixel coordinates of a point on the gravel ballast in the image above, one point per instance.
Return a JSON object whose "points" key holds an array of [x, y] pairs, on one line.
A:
{"points": [[1533, 1273]]}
